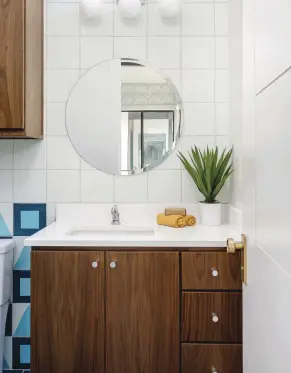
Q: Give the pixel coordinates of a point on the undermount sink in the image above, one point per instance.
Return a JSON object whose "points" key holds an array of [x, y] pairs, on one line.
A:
{"points": [[112, 230]]}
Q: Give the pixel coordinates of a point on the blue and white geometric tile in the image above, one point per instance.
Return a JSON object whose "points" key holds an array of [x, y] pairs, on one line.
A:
{"points": [[21, 320], [29, 218], [21, 353], [21, 286], [21, 254], [50, 213], [6, 220], [8, 326], [7, 355]]}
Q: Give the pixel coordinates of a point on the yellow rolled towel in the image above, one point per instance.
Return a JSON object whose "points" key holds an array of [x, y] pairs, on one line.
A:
{"points": [[175, 221], [190, 220]]}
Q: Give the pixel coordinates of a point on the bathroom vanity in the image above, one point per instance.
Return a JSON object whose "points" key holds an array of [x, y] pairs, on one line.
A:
{"points": [[122, 300], [129, 310]]}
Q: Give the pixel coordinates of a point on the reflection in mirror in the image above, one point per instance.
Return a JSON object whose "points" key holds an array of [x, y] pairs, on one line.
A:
{"points": [[124, 117]]}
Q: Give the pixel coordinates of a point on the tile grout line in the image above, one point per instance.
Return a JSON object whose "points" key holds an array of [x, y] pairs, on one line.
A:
{"points": [[214, 70], [46, 106], [147, 56], [13, 172], [181, 88], [113, 29], [80, 72]]}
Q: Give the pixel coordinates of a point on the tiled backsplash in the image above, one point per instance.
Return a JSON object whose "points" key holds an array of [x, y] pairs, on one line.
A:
{"points": [[26, 220], [192, 49]]}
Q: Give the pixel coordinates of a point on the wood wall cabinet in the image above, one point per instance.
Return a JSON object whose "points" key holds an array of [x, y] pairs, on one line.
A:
{"points": [[21, 68], [126, 311]]}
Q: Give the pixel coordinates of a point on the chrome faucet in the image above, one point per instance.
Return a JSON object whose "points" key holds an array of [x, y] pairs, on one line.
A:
{"points": [[115, 215]]}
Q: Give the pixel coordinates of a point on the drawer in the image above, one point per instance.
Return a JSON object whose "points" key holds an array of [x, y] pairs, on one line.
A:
{"points": [[214, 358], [211, 271], [212, 317]]}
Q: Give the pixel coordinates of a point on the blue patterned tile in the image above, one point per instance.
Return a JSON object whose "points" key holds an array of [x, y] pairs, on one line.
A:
{"points": [[21, 320], [8, 325], [21, 286], [5, 365], [21, 353], [6, 220], [23, 261], [25, 287], [24, 354], [29, 218], [4, 231], [7, 354]]}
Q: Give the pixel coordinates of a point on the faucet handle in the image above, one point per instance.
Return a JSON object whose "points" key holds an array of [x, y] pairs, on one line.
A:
{"points": [[115, 215], [114, 209]]}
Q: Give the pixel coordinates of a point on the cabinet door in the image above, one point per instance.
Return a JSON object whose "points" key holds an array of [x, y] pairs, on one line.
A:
{"points": [[215, 358], [142, 312], [67, 305], [11, 63]]}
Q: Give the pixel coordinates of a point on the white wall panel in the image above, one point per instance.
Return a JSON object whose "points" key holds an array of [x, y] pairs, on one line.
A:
{"points": [[273, 39]]}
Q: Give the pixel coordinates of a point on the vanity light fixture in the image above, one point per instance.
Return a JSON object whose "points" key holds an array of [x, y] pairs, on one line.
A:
{"points": [[91, 8], [169, 8], [130, 8]]}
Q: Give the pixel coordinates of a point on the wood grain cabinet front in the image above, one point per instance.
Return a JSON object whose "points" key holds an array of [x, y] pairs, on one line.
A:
{"points": [[211, 271], [142, 312], [212, 317], [67, 312], [113, 312], [203, 358], [21, 68]]}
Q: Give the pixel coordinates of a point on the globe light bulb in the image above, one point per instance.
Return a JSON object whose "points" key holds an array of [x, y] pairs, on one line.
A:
{"points": [[169, 8], [129, 8], [91, 8]]}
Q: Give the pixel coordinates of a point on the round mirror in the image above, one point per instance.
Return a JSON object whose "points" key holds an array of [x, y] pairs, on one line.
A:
{"points": [[124, 117]]}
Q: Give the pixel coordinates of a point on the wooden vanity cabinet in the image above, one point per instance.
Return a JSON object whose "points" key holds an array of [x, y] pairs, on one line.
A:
{"points": [[113, 312], [211, 358], [142, 312], [67, 312], [134, 310], [21, 68]]}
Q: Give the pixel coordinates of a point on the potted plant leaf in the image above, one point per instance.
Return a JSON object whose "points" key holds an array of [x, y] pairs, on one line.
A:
{"points": [[209, 170]]}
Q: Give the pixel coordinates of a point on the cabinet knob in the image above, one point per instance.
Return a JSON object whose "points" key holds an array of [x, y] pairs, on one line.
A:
{"points": [[214, 272], [95, 264], [214, 370], [112, 265], [214, 317]]}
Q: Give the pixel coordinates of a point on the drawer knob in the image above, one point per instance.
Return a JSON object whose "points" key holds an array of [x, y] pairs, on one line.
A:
{"points": [[214, 370], [95, 264], [214, 317], [112, 265], [214, 272]]}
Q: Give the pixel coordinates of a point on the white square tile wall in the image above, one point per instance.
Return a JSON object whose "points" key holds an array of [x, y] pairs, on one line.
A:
{"points": [[192, 49]]}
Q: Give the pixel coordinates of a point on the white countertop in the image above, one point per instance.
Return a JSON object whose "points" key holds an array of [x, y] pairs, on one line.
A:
{"points": [[68, 217], [198, 236]]}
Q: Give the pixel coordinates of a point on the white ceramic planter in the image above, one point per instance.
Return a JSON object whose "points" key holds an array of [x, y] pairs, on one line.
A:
{"points": [[210, 213]]}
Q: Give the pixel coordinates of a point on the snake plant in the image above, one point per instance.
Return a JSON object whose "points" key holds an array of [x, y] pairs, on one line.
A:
{"points": [[209, 170]]}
